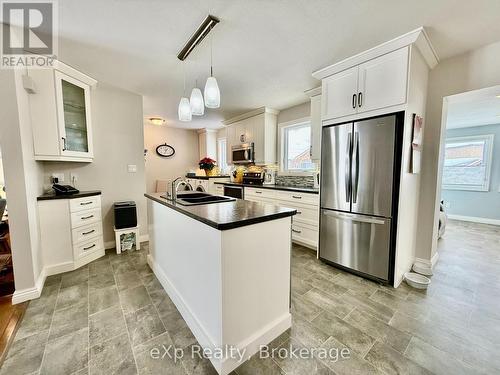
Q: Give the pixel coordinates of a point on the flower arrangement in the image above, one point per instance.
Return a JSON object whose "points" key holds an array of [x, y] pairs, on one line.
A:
{"points": [[207, 164]]}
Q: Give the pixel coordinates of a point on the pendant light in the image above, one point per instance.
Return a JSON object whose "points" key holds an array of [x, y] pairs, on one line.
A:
{"points": [[212, 92], [196, 101], [184, 111]]}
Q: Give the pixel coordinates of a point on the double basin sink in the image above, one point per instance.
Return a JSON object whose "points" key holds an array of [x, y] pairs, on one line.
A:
{"points": [[195, 198]]}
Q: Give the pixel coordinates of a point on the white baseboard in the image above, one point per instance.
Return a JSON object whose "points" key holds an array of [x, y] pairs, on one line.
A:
{"points": [[112, 244], [250, 345], [58, 268], [427, 265], [473, 219], [24, 295]]}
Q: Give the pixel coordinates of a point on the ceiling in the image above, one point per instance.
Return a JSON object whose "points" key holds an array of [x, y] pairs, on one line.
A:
{"points": [[476, 112], [264, 50]]}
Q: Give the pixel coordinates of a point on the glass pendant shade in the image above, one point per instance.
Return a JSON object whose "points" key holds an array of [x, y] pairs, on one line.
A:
{"points": [[212, 93], [184, 110], [196, 101]]}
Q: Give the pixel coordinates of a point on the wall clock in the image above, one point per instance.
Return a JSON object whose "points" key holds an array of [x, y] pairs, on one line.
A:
{"points": [[165, 150]]}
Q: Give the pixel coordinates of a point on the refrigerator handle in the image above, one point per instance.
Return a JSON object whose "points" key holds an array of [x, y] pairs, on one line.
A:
{"points": [[348, 168], [355, 167], [356, 218]]}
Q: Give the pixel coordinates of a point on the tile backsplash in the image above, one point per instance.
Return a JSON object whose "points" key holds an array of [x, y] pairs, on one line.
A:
{"points": [[303, 181]]}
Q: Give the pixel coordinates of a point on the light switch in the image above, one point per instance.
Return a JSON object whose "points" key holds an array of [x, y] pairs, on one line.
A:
{"points": [[132, 168]]}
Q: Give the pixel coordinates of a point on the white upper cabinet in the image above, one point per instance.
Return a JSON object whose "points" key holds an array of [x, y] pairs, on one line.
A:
{"points": [[383, 81], [375, 84], [61, 114], [258, 127], [340, 94]]}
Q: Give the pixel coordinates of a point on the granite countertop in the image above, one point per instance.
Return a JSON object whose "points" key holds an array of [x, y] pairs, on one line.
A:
{"points": [[227, 215], [81, 194], [206, 177], [298, 189]]}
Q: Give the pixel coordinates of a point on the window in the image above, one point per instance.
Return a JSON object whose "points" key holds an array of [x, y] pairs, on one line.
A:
{"points": [[222, 155], [295, 142], [467, 163]]}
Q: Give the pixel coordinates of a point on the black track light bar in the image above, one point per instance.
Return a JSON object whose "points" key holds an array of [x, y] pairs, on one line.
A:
{"points": [[206, 26]]}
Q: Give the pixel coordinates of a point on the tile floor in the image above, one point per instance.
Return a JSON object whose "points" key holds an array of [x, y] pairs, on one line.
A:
{"points": [[105, 318]]}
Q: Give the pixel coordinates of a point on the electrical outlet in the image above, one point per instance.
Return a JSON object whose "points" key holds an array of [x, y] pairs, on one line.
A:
{"points": [[132, 168], [73, 178], [59, 176]]}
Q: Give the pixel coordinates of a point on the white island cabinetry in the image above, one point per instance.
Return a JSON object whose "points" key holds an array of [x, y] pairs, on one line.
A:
{"points": [[232, 291]]}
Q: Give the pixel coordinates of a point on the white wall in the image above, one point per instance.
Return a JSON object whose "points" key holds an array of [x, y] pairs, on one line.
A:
{"points": [[185, 143], [474, 70], [23, 177], [295, 112], [118, 141]]}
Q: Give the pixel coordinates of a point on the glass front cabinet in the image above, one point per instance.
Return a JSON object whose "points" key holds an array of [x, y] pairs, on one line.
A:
{"points": [[61, 114], [73, 115]]}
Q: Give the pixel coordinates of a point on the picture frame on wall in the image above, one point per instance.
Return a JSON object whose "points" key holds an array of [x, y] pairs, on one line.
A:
{"points": [[416, 144]]}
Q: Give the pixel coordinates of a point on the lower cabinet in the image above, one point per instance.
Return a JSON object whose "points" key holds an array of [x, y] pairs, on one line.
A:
{"points": [[71, 233], [305, 227]]}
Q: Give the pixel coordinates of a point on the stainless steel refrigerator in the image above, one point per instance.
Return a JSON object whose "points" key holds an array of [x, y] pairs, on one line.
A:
{"points": [[358, 187]]}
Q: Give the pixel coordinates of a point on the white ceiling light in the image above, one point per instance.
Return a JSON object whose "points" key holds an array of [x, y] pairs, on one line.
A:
{"points": [[184, 110], [197, 103], [212, 92]]}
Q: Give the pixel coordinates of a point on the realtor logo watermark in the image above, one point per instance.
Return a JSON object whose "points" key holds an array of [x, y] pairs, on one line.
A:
{"points": [[29, 33]]}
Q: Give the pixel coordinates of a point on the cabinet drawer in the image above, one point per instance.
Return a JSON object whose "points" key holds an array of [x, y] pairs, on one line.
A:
{"points": [[304, 198], [87, 232], [306, 214], [89, 247], [265, 193], [256, 198], [86, 217], [305, 234], [86, 203], [219, 189]]}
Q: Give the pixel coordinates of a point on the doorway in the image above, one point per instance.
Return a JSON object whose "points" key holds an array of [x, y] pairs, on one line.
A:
{"points": [[469, 186]]}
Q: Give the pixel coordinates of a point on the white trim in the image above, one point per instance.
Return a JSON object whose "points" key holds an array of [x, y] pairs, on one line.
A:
{"points": [[418, 37], [250, 345], [313, 92], [24, 295], [490, 139], [59, 268], [253, 113], [473, 219], [427, 265]]}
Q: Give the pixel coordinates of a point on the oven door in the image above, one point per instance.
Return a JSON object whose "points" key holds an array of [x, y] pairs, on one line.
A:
{"points": [[233, 191]]}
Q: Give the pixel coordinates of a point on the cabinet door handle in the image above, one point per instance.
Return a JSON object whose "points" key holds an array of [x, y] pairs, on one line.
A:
{"points": [[88, 248], [258, 192], [299, 212], [354, 100], [296, 231], [64, 143], [296, 197], [87, 217], [85, 203], [360, 99], [90, 231]]}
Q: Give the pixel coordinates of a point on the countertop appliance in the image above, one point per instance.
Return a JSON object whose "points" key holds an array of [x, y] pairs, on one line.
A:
{"points": [[360, 167], [243, 154], [253, 178], [234, 191]]}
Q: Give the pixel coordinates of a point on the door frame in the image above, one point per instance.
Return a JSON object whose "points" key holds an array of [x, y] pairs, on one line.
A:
{"points": [[447, 100]]}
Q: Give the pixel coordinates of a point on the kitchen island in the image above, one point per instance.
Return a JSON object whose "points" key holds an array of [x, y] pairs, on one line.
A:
{"points": [[226, 266]]}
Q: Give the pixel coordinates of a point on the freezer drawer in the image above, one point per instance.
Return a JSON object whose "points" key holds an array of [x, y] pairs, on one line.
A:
{"points": [[359, 242]]}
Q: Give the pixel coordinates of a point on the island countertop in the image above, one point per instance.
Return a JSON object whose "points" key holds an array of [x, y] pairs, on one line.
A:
{"points": [[227, 215]]}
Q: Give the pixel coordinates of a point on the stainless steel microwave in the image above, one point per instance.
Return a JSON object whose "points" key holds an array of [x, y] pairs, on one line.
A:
{"points": [[243, 154]]}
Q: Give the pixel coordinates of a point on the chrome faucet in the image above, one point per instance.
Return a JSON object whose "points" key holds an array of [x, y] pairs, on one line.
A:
{"points": [[174, 186]]}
